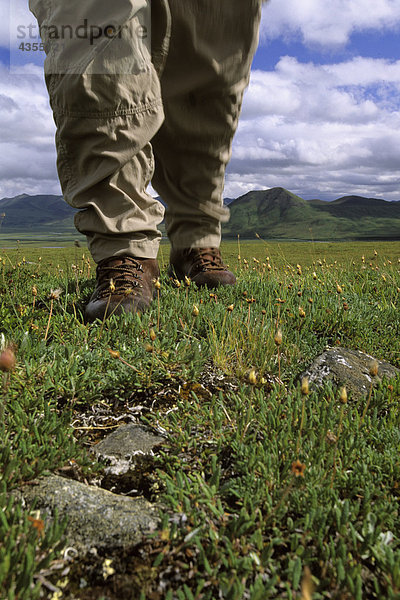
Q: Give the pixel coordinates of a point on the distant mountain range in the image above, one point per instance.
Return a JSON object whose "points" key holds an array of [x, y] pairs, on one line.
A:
{"points": [[277, 213], [36, 213], [273, 214]]}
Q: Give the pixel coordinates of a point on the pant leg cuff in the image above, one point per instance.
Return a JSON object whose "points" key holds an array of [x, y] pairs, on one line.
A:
{"points": [[101, 248]]}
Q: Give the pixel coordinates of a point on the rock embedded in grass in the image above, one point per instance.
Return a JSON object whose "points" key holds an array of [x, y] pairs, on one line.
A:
{"points": [[126, 443], [350, 368], [97, 518]]}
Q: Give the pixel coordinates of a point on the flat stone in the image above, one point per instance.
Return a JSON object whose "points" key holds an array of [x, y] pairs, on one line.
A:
{"points": [[126, 441], [350, 368], [96, 518], [125, 447]]}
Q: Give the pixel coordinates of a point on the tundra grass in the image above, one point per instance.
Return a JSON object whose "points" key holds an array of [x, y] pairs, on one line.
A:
{"points": [[269, 490], [65, 253]]}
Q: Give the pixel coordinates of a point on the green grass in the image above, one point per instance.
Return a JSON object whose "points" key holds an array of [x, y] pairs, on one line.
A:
{"points": [[237, 521]]}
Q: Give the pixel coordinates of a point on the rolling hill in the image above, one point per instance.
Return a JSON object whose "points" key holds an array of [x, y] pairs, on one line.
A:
{"points": [[40, 213], [273, 214], [277, 213]]}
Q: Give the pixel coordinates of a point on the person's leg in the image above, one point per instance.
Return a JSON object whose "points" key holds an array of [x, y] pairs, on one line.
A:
{"points": [[206, 73], [106, 101]]}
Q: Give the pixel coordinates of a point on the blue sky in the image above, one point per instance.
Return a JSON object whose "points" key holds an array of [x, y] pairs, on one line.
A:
{"points": [[321, 116], [374, 44]]}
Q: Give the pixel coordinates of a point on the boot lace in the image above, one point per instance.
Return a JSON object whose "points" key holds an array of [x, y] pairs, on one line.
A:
{"points": [[207, 259], [122, 278]]}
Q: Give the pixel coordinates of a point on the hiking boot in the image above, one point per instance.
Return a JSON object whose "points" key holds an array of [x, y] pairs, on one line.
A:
{"points": [[123, 284], [204, 266]]}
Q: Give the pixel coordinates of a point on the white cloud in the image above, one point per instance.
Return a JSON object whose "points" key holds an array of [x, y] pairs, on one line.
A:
{"points": [[4, 24], [27, 135], [328, 23], [320, 130]]}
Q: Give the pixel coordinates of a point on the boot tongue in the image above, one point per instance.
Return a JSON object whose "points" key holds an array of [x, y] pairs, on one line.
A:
{"points": [[116, 261], [109, 263], [120, 261]]}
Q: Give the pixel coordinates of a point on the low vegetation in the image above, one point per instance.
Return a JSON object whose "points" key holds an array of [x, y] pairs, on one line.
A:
{"points": [[270, 488]]}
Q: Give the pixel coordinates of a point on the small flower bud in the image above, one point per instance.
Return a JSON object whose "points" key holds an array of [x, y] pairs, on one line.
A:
{"points": [[253, 377], [7, 359], [278, 338], [373, 369], [153, 335], [195, 311], [305, 388], [343, 395]]}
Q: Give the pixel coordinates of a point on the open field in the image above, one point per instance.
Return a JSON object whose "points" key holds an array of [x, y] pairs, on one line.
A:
{"points": [[36, 239], [63, 253], [267, 491]]}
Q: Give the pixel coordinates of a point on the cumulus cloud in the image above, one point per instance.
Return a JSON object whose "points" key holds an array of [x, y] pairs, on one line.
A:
{"points": [[27, 135], [5, 24], [327, 23], [320, 130]]}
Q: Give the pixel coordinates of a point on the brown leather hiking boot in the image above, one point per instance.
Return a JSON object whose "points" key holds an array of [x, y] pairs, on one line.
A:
{"points": [[204, 266], [123, 284]]}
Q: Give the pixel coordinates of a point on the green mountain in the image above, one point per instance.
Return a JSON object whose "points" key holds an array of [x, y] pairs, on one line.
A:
{"points": [[277, 213], [273, 214], [36, 213]]}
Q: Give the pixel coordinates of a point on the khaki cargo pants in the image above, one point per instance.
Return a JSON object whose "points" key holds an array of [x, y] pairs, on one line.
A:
{"points": [[128, 112]]}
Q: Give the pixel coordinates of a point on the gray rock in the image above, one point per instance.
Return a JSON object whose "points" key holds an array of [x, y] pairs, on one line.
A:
{"points": [[350, 368], [96, 518], [124, 446], [126, 441]]}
